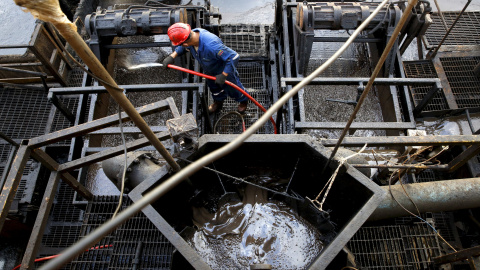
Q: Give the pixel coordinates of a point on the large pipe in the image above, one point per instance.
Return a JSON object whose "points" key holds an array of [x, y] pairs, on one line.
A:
{"points": [[436, 196]]}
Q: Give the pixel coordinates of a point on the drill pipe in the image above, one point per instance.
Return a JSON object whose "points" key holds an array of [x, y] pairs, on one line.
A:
{"points": [[436, 196]]}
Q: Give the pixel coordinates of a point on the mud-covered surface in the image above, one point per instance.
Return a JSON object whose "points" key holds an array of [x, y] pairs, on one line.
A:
{"points": [[353, 63], [98, 183], [254, 231]]}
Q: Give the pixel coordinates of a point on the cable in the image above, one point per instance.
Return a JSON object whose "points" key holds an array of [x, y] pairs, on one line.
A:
{"points": [[124, 165], [54, 256], [228, 83], [223, 116], [189, 170]]}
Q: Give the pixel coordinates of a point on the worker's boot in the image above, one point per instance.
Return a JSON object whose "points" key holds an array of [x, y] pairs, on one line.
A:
{"points": [[216, 106], [242, 107]]}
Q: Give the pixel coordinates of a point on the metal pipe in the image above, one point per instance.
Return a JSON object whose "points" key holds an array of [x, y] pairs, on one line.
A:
{"points": [[170, 183], [431, 54], [386, 51], [436, 196], [51, 12]]}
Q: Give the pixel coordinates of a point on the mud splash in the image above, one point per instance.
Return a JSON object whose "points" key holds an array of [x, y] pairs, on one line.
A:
{"points": [[254, 231]]}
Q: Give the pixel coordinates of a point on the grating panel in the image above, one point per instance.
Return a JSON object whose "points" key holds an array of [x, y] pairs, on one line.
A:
{"points": [[137, 236], [424, 69], [60, 121], [62, 209], [465, 32], [465, 85], [445, 226], [24, 112], [421, 245], [245, 39], [61, 236], [395, 247], [379, 248], [252, 76], [426, 176]]}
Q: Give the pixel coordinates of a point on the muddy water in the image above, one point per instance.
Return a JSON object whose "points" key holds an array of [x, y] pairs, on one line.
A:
{"points": [[253, 231]]}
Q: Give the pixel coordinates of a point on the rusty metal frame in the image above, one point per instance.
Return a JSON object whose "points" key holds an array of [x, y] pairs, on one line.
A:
{"points": [[453, 165], [48, 62], [31, 148]]}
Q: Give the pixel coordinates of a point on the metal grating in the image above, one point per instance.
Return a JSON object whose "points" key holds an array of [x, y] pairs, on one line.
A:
{"points": [[465, 32], [426, 176], [60, 236], [421, 245], [465, 85], [252, 76], [379, 248], [245, 39], [62, 209], [424, 69], [445, 226], [395, 247], [24, 112], [60, 121], [137, 236]]}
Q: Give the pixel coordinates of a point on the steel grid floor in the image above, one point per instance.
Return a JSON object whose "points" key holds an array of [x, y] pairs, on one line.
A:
{"points": [[395, 247], [122, 244], [465, 85], [252, 76], [424, 69], [245, 39], [465, 32]]}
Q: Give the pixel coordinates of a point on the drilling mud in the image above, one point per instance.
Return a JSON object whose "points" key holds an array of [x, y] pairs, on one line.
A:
{"points": [[254, 231]]}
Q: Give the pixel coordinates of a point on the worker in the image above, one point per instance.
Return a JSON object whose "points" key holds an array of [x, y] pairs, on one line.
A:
{"points": [[214, 57]]}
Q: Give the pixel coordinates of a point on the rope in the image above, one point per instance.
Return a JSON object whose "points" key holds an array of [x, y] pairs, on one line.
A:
{"points": [[330, 181]]}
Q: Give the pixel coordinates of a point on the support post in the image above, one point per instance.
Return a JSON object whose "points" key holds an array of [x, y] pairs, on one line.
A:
{"points": [[11, 184], [52, 165], [40, 222]]}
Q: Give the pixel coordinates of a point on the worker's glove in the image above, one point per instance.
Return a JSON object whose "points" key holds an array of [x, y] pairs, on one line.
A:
{"points": [[220, 79], [167, 61]]}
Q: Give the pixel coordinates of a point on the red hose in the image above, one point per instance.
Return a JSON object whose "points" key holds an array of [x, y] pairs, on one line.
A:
{"points": [[54, 256], [228, 83]]}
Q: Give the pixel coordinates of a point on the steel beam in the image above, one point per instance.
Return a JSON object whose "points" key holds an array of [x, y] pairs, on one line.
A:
{"points": [[356, 81], [126, 130], [40, 222], [112, 152], [52, 165], [11, 184], [137, 45], [94, 125], [458, 256], [464, 157], [405, 140], [61, 107], [128, 88], [356, 125]]}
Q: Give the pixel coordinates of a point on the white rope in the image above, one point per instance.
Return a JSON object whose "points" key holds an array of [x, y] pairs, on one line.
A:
{"points": [[330, 181]]}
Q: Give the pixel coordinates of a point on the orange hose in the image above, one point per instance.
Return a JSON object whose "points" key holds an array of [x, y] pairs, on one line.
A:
{"points": [[228, 83], [54, 256]]}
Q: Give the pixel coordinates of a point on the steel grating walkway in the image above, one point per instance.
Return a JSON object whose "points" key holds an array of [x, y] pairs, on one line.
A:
{"points": [[465, 32], [123, 245], [245, 39], [252, 76], [463, 82], [424, 69], [395, 247]]}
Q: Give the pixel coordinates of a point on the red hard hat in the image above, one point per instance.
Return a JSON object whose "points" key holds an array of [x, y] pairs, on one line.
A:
{"points": [[178, 33]]}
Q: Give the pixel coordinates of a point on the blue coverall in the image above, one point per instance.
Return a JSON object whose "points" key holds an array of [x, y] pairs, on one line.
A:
{"points": [[215, 58]]}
